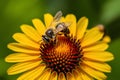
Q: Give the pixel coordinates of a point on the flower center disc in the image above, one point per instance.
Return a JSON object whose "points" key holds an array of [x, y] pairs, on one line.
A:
{"points": [[63, 55]]}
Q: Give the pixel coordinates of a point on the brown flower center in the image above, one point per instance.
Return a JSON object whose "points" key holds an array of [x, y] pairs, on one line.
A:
{"points": [[62, 56]]}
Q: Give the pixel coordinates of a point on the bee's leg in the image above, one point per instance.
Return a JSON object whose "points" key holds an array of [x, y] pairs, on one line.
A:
{"points": [[54, 40], [66, 35], [66, 32]]}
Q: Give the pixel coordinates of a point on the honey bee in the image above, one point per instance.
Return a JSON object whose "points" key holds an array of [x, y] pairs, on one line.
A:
{"points": [[52, 32]]}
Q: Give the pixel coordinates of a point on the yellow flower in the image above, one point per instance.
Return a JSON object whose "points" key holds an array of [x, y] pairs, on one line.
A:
{"points": [[79, 56]]}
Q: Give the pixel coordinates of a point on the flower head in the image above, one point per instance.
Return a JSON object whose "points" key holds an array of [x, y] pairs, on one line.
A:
{"points": [[78, 54]]}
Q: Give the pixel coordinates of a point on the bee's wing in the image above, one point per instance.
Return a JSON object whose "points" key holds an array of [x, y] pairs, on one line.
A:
{"points": [[56, 19], [57, 16], [67, 24]]}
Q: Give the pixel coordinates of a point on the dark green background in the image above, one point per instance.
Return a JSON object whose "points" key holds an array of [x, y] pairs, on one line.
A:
{"points": [[13, 13]]}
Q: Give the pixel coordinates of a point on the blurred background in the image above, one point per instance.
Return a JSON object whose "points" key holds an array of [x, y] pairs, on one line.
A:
{"points": [[13, 13]]}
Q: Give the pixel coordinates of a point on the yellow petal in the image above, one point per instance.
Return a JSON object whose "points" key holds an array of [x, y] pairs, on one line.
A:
{"points": [[39, 26], [45, 75], [92, 36], [33, 74], [81, 27], [104, 67], [94, 73], [17, 47], [72, 19], [21, 67], [76, 75], [99, 56], [20, 57], [106, 39], [23, 39], [83, 75], [31, 32], [61, 76], [98, 46], [53, 76], [70, 76], [48, 18]]}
